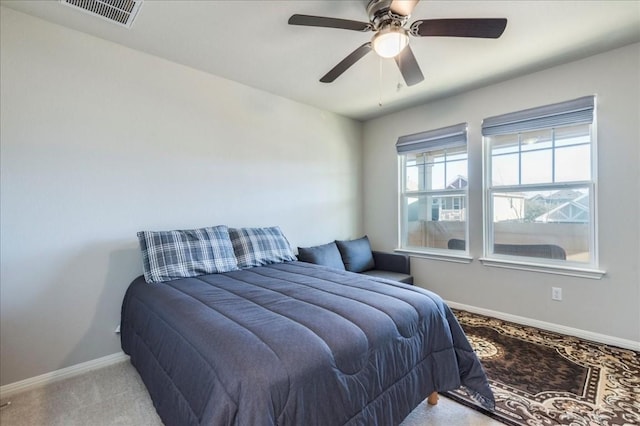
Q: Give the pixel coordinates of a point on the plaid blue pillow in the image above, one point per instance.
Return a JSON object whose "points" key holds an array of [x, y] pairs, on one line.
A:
{"points": [[168, 255], [260, 246]]}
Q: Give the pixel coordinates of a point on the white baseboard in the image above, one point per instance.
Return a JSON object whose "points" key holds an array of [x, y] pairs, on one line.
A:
{"points": [[576, 332], [64, 373]]}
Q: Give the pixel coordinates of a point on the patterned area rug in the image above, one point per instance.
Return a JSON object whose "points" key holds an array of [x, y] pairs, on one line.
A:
{"points": [[544, 378]]}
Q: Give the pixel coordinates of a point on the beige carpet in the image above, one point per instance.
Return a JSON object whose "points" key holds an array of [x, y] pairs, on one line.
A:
{"points": [[115, 395]]}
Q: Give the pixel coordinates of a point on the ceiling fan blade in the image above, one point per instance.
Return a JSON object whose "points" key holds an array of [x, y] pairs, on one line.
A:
{"points": [[344, 65], [322, 21], [403, 7], [472, 27], [409, 67]]}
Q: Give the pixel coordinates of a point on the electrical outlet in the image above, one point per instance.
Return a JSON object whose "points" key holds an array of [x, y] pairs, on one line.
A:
{"points": [[556, 293]]}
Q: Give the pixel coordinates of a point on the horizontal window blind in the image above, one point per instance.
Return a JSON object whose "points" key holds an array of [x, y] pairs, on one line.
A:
{"points": [[432, 140], [576, 111]]}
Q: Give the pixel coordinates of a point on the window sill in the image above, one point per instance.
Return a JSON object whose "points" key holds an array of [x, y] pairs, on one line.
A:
{"points": [[594, 274], [447, 257]]}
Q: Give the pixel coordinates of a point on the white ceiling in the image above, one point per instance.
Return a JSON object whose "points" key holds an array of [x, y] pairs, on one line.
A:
{"points": [[250, 42]]}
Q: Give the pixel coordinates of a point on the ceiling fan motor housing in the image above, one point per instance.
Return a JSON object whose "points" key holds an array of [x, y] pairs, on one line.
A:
{"points": [[380, 15]]}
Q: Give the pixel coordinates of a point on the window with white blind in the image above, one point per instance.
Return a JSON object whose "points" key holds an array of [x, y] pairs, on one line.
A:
{"points": [[540, 185], [433, 190]]}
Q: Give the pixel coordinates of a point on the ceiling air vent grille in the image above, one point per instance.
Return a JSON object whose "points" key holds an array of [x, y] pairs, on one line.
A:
{"points": [[121, 12]]}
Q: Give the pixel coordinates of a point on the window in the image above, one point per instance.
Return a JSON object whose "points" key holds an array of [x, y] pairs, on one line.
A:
{"points": [[540, 185], [433, 189]]}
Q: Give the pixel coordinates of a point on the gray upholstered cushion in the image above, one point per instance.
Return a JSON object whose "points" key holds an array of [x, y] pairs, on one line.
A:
{"points": [[326, 254], [356, 254], [260, 246], [168, 255]]}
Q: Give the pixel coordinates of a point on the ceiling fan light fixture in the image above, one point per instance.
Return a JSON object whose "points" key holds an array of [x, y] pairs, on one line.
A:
{"points": [[389, 41]]}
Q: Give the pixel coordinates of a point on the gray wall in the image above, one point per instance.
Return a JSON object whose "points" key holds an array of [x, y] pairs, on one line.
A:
{"points": [[99, 141], [610, 306]]}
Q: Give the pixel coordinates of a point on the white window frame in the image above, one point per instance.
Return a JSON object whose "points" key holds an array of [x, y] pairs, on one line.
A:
{"points": [[542, 118], [429, 141]]}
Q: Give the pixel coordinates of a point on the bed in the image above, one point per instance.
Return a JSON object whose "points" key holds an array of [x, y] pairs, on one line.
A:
{"points": [[293, 343]]}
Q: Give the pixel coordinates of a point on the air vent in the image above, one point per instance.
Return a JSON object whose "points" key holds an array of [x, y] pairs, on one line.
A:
{"points": [[121, 12]]}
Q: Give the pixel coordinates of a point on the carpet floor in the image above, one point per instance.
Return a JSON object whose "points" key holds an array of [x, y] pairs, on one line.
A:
{"points": [[542, 378], [115, 395], [539, 378]]}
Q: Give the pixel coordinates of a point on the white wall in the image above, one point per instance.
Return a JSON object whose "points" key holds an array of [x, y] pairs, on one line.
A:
{"points": [[99, 141], [610, 306]]}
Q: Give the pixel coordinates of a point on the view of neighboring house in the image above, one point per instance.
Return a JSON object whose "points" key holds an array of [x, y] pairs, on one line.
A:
{"points": [[434, 220], [452, 208], [506, 207], [563, 206], [572, 210]]}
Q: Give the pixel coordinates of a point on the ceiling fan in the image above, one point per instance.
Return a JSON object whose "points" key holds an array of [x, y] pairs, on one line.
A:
{"points": [[387, 19]]}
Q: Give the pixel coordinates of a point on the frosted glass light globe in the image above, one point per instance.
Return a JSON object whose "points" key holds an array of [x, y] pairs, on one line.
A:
{"points": [[389, 41]]}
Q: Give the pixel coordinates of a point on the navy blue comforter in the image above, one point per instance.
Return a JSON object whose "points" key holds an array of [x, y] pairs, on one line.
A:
{"points": [[293, 344]]}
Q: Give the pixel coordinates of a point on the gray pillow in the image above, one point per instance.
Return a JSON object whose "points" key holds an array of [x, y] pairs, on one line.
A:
{"points": [[326, 254], [356, 254]]}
